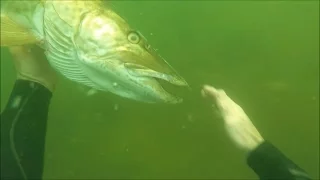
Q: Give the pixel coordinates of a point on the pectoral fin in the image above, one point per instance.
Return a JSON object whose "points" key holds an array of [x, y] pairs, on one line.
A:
{"points": [[12, 34]]}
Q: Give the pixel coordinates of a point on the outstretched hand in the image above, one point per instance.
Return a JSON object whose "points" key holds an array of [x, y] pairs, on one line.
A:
{"points": [[31, 64], [237, 123]]}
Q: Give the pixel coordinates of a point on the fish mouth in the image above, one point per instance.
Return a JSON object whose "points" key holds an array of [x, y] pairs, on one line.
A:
{"points": [[144, 62], [165, 85], [139, 70]]}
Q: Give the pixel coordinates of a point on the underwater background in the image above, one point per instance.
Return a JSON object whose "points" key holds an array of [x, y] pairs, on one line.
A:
{"points": [[264, 54]]}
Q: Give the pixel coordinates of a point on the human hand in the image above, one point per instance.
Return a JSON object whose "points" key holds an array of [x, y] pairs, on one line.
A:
{"points": [[32, 65], [237, 123]]}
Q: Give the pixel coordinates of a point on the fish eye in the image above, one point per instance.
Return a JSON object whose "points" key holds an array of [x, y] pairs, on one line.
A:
{"points": [[134, 37]]}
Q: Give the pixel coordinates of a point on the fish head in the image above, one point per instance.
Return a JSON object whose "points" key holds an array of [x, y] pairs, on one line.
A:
{"points": [[140, 59], [124, 55]]}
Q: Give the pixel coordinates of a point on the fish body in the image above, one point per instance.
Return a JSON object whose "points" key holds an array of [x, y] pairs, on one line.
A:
{"points": [[89, 43]]}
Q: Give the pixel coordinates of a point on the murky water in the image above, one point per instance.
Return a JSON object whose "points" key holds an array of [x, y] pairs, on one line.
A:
{"points": [[264, 54]]}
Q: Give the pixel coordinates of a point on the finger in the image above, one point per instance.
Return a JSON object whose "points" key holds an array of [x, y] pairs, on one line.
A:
{"points": [[20, 52], [15, 50], [208, 91], [27, 52], [218, 96], [211, 92]]}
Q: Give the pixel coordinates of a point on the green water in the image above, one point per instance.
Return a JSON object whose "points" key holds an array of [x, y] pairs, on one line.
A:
{"points": [[264, 54]]}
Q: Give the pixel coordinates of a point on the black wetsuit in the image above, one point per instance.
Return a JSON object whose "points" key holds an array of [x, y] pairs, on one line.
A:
{"points": [[23, 130]]}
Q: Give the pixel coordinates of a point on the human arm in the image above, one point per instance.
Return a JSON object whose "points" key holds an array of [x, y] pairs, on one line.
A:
{"points": [[24, 118], [264, 158]]}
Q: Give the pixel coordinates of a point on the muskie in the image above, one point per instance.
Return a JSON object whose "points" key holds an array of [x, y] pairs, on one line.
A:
{"points": [[89, 43]]}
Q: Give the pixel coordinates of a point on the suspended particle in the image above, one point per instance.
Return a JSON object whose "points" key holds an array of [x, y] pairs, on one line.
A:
{"points": [[116, 107]]}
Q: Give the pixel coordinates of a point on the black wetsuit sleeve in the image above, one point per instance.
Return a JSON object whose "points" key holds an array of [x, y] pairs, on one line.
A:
{"points": [[269, 163], [23, 130]]}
